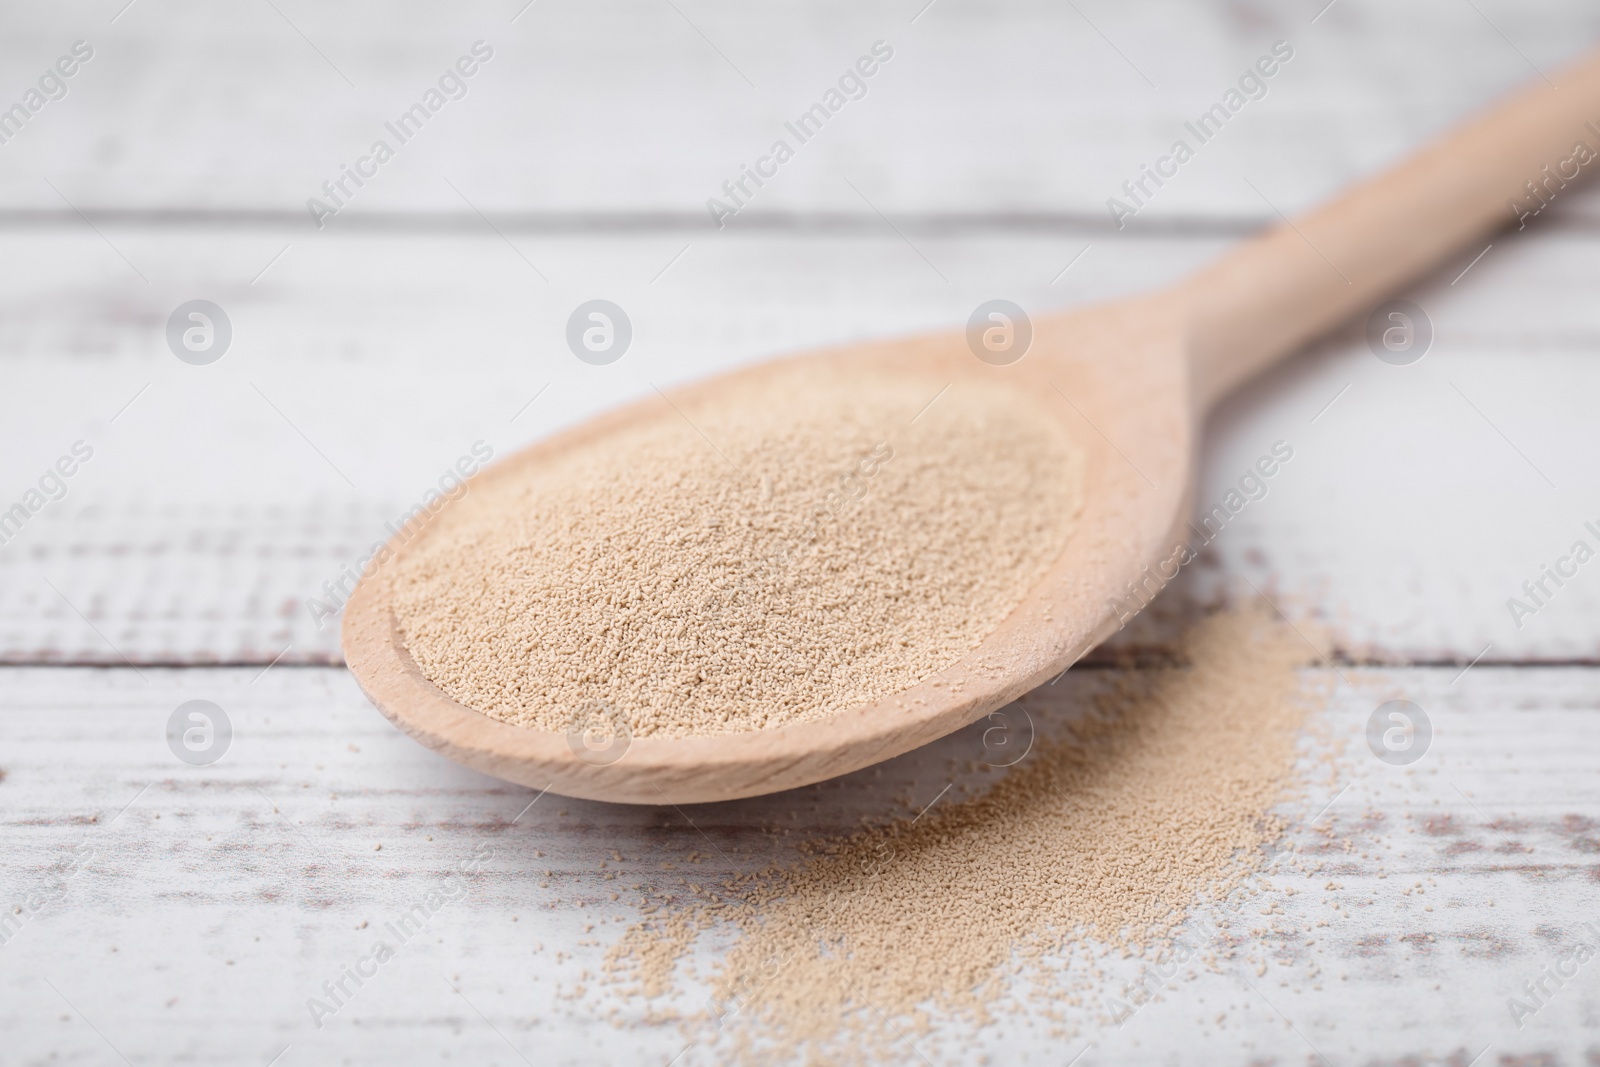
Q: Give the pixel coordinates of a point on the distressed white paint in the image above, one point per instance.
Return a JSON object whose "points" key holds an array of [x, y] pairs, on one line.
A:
{"points": [[223, 896], [994, 136], [637, 107], [207, 519]]}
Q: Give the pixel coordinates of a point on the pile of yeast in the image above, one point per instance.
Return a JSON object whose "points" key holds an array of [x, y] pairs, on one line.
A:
{"points": [[804, 543], [1148, 804]]}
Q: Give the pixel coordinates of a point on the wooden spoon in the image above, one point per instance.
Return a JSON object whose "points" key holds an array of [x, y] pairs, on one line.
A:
{"points": [[1131, 381]]}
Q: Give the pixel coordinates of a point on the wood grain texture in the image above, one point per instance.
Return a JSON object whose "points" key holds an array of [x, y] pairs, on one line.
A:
{"points": [[1414, 507], [394, 353], [637, 109], [222, 897]]}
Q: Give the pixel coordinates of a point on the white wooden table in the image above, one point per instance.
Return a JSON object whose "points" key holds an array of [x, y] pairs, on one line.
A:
{"points": [[176, 913]]}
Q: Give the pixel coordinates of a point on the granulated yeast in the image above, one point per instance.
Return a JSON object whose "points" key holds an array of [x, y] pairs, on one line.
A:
{"points": [[1155, 799], [798, 547]]}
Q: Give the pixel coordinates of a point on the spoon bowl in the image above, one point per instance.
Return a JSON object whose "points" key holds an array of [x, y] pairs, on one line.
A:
{"points": [[1116, 373]]}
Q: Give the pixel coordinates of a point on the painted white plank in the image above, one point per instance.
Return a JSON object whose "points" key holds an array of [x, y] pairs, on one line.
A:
{"points": [[211, 902], [630, 107], [217, 503]]}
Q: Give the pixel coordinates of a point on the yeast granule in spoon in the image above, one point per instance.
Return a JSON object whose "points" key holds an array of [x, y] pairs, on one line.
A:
{"points": [[802, 544]]}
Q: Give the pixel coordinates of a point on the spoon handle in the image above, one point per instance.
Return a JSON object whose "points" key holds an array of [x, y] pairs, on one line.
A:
{"points": [[1302, 277]]}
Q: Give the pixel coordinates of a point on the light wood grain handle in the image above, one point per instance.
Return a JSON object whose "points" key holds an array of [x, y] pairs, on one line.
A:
{"points": [[1272, 295]]}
